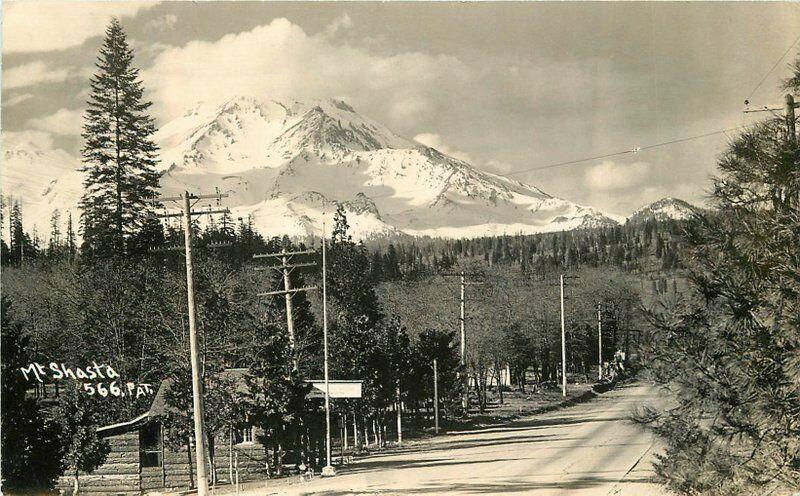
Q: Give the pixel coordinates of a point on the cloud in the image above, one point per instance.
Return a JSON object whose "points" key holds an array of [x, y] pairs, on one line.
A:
{"points": [[16, 99], [166, 22], [31, 74], [341, 23], [610, 176], [280, 61], [435, 141], [39, 139], [64, 122], [499, 166], [625, 202], [49, 26]]}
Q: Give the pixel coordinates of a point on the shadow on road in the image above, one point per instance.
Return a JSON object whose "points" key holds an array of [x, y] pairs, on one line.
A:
{"points": [[482, 487]]}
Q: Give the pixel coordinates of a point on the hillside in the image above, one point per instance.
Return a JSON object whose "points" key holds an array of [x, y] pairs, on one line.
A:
{"points": [[664, 209]]}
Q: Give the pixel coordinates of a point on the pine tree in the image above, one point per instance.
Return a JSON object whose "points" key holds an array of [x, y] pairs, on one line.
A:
{"points": [[119, 155], [5, 255], [70, 241], [22, 247], [79, 416], [55, 244], [340, 226], [226, 225], [730, 355], [15, 233]]}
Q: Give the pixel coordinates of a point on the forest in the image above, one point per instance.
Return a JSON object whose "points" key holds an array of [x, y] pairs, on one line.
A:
{"points": [[393, 308], [709, 307]]}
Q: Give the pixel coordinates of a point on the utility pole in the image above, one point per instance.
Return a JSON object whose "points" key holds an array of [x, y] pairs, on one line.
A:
{"points": [[563, 342], [399, 415], [463, 336], [788, 115], [328, 470], [462, 319], [285, 268], [435, 397], [599, 344], [197, 382], [463, 339]]}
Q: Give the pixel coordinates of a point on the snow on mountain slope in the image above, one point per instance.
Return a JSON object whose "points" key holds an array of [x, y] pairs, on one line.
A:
{"points": [[285, 164], [663, 209], [245, 133], [41, 180], [267, 156]]}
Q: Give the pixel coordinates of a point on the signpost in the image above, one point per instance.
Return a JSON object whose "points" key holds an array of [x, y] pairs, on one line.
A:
{"points": [[436, 396]]}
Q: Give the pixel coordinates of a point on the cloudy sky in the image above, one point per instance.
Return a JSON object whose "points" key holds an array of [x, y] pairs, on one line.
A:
{"points": [[510, 87]]}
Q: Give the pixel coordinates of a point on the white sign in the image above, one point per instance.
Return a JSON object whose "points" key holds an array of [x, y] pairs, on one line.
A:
{"points": [[338, 389]]}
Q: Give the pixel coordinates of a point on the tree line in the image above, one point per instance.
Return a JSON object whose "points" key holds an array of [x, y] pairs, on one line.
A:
{"points": [[116, 300], [727, 351]]}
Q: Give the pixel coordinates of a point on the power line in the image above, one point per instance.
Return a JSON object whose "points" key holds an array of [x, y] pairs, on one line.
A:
{"points": [[773, 68], [598, 157], [625, 152]]}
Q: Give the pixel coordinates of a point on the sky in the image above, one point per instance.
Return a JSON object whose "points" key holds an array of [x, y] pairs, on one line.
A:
{"points": [[509, 87]]}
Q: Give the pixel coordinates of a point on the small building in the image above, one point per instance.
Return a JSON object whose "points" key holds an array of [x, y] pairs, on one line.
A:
{"points": [[140, 462]]}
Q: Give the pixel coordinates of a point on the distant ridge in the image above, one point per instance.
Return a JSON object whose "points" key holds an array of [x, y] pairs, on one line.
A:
{"points": [[664, 209]]}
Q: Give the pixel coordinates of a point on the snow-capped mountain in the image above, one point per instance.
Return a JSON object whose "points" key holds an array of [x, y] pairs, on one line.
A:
{"points": [[285, 164], [42, 180], [663, 209]]}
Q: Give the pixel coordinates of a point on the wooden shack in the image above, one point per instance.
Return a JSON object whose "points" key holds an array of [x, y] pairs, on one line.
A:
{"points": [[140, 462]]}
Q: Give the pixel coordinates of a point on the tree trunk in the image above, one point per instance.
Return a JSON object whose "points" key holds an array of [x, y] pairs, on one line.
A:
{"points": [[498, 372], [230, 455], [356, 446], [189, 456], [344, 432], [279, 460], [76, 484], [211, 463]]}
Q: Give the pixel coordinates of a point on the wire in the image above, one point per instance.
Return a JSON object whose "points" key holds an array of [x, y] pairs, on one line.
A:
{"points": [[773, 67], [635, 150], [598, 157]]}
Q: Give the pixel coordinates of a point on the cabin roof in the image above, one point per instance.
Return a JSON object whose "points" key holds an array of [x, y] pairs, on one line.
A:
{"points": [[159, 406]]}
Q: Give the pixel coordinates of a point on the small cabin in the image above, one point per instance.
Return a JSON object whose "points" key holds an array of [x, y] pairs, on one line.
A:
{"points": [[140, 462]]}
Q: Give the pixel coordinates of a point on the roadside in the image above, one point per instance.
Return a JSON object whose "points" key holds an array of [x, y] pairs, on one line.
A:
{"points": [[416, 438], [586, 450]]}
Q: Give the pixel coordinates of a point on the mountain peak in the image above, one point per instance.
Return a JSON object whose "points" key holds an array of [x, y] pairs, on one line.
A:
{"points": [[334, 126], [287, 162], [664, 209]]}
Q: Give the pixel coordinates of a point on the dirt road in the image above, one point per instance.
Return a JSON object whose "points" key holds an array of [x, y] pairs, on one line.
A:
{"points": [[589, 449]]}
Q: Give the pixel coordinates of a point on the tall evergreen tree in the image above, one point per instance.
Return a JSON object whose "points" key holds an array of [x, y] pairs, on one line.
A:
{"points": [[54, 243], [22, 246], [730, 355], [70, 235], [119, 154]]}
